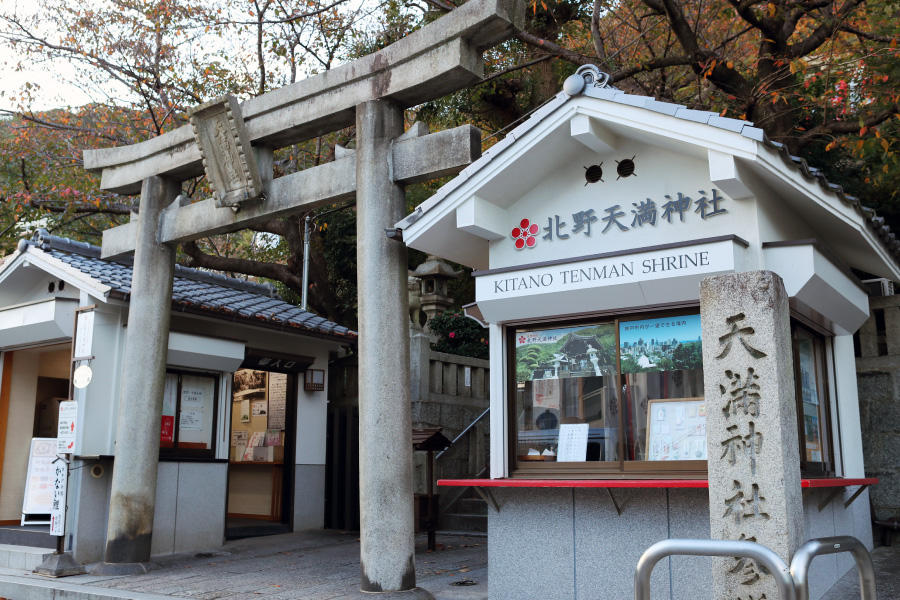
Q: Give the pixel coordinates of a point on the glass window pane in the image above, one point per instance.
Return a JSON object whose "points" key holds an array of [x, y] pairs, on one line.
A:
{"points": [[810, 383], [566, 407], [197, 411], [662, 370]]}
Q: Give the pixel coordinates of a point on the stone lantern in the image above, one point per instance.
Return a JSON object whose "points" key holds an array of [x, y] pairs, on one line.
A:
{"points": [[434, 274]]}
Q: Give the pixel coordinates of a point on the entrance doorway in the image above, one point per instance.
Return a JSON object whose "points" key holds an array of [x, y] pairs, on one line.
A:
{"points": [[262, 441], [34, 382]]}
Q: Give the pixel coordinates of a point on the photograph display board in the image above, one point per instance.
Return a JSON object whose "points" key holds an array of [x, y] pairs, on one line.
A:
{"points": [[676, 429], [667, 344]]}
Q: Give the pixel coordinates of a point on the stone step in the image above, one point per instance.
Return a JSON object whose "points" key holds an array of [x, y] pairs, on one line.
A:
{"points": [[25, 558], [471, 506], [463, 522], [36, 536], [39, 588]]}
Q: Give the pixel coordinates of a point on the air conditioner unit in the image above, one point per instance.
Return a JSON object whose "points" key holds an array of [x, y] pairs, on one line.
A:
{"points": [[879, 287]]}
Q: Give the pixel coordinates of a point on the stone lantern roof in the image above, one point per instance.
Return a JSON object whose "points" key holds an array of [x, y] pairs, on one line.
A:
{"points": [[436, 268]]}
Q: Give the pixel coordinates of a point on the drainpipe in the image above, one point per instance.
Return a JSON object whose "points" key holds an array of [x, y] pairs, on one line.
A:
{"points": [[303, 301]]}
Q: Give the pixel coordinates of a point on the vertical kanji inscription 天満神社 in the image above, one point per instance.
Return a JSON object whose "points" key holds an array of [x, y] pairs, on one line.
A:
{"points": [[754, 469]]}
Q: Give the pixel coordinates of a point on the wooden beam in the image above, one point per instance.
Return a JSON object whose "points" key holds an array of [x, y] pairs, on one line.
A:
{"points": [[414, 159], [441, 58]]}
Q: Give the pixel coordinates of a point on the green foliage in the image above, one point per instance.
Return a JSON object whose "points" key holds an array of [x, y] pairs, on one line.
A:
{"points": [[684, 357], [458, 334]]}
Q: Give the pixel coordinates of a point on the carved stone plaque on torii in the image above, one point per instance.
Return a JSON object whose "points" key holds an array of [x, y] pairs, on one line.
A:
{"points": [[235, 149]]}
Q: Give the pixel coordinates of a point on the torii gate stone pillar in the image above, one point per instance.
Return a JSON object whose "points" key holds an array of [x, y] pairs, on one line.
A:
{"points": [[233, 145], [385, 417]]}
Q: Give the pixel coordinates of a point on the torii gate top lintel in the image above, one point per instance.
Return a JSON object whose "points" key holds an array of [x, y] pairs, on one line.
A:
{"points": [[440, 58]]}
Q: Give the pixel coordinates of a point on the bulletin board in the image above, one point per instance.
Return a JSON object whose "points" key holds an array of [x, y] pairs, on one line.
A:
{"points": [[676, 429]]}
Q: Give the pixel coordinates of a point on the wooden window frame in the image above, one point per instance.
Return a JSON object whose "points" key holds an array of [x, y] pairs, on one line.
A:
{"points": [[175, 452], [824, 468], [621, 469]]}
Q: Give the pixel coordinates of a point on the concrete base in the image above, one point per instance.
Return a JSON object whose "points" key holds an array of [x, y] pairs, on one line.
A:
{"points": [[105, 568], [413, 594], [60, 565]]}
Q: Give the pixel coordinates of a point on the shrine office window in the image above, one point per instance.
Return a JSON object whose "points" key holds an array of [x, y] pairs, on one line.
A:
{"points": [[624, 396], [608, 396], [190, 406], [813, 407]]}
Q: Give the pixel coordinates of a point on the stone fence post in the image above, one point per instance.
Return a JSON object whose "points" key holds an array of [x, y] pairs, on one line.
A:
{"points": [[754, 461]]}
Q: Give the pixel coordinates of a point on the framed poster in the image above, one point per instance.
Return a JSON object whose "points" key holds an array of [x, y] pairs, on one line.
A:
{"points": [[676, 429]]}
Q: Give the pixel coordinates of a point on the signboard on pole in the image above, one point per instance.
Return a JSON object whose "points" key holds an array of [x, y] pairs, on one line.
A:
{"points": [[58, 507], [65, 434], [84, 337]]}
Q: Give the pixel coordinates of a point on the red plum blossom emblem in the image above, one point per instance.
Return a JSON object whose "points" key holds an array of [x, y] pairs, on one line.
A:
{"points": [[524, 234]]}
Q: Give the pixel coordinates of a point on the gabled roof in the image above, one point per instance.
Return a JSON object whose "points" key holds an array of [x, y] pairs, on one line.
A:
{"points": [[765, 151], [194, 291]]}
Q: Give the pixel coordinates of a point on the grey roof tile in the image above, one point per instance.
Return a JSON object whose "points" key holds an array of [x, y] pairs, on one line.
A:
{"points": [[666, 108], [210, 292], [631, 100], [735, 125], [689, 114]]}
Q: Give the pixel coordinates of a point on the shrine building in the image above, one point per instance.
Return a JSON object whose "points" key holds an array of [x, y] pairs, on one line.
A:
{"points": [[242, 438], [590, 227]]}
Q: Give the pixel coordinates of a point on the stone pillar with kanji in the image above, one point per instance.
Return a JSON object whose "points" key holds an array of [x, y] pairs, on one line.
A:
{"points": [[754, 461]]}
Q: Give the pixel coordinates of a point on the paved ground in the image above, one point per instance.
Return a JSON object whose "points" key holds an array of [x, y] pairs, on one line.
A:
{"points": [[322, 566], [887, 577], [309, 566]]}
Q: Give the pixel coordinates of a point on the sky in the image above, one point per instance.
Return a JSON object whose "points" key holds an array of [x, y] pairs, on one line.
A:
{"points": [[660, 329], [53, 91]]}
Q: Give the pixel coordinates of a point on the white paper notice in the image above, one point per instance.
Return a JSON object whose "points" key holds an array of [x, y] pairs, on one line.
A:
{"points": [[85, 334], [277, 400], [191, 420], [191, 398], [573, 439], [260, 408]]}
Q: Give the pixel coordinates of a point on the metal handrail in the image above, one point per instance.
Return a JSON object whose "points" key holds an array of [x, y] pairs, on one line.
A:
{"points": [[832, 545], [464, 432], [757, 552]]}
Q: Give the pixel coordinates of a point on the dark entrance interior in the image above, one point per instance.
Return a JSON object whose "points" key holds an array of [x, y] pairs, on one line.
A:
{"points": [[342, 470]]}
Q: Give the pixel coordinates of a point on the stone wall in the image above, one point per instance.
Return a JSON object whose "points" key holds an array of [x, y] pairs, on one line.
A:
{"points": [[878, 380], [448, 391]]}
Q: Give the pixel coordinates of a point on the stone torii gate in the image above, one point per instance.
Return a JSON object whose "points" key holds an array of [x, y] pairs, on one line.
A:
{"points": [[372, 92]]}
